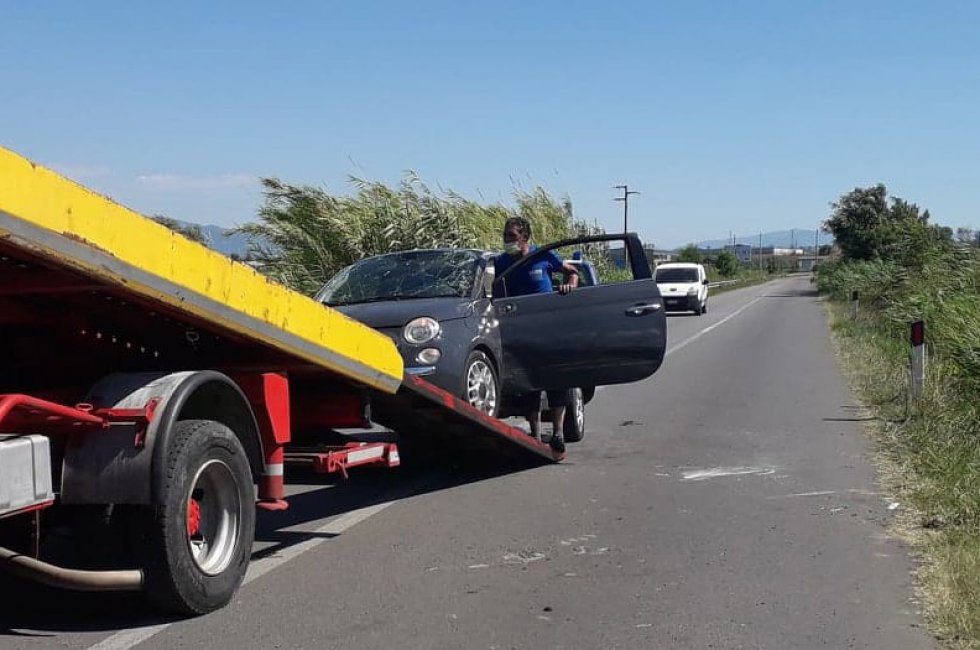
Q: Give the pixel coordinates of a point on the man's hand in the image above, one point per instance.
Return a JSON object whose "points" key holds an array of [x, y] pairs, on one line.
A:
{"points": [[565, 289]]}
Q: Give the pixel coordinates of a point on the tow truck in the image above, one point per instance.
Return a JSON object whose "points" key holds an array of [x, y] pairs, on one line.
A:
{"points": [[155, 390]]}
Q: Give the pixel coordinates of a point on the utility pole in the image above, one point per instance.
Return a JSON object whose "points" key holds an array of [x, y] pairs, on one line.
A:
{"points": [[760, 252], [625, 198]]}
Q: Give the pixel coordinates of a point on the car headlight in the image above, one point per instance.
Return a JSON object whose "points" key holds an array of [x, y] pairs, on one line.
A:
{"points": [[421, 330], [693, 291]]}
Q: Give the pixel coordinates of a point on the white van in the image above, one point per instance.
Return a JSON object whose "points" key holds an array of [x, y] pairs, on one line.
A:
{"points": [[684, 287]]}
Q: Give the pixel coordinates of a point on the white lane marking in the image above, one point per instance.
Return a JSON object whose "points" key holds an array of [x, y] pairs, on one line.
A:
{"points": [[707, 329], [129, 638], [719, 472], [260, 567]]}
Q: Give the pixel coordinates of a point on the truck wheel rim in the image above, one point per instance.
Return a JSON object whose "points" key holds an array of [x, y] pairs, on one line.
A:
{"points": [[579, 408], [215, 507], [481, 389]]}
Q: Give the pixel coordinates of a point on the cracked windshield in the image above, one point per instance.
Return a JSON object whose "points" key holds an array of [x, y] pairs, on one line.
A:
{"points": [[405, 276]]}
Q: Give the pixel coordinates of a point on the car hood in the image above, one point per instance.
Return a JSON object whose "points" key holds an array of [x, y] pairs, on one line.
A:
{"points": [[396, 313], [676, 288]]}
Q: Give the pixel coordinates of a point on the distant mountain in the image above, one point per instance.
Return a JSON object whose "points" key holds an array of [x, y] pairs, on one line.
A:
{"points": [[221, 239], [226, 242], [778, 239]]}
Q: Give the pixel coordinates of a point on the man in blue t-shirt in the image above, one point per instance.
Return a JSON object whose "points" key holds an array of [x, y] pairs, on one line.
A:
{"points": [[528, 279]]}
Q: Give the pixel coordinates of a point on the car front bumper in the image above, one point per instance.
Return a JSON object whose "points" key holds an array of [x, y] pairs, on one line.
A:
{"points": [[680, 303]]}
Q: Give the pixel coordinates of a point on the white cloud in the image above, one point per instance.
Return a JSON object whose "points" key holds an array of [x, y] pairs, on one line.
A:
{"points": [[182, 182]]}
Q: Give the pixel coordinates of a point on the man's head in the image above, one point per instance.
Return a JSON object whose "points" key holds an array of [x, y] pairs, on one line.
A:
{"points": [[517, 233]]}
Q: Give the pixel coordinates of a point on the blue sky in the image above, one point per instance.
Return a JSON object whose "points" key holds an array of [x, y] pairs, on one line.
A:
{"points": [[741, 115]]}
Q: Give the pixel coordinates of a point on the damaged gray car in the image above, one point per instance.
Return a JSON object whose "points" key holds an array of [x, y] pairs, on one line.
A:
{"points": [[454, 324]]}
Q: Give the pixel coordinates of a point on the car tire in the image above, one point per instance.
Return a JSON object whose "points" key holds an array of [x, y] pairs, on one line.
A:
{"points": [[704, 307], [573, 427], [194, 548], [588, 394], [481, 384]]}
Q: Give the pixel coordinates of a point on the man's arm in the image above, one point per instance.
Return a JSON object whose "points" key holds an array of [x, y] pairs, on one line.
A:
{"points": [[571, 278]]}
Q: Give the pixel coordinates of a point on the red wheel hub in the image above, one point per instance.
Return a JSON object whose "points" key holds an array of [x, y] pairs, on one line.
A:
{"points": [[193, 517]]}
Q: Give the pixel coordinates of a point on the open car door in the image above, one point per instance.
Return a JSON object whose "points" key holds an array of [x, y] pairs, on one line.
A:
{"points": [[594, 336]]}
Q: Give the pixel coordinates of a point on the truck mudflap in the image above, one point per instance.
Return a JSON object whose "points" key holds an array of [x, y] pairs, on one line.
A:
{"points": [[431, 420]]}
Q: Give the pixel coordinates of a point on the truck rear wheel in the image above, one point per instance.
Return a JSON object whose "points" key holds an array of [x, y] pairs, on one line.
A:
{"points": [[195, 547]]}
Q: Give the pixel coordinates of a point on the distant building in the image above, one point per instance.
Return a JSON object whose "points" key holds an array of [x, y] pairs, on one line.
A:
{"points": [[767, 251], [809, 263], [655, 256], [742, 251]]}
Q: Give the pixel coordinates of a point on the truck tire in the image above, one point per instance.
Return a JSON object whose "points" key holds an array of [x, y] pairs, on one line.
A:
{"points": [[194, 548], [574, 425]]}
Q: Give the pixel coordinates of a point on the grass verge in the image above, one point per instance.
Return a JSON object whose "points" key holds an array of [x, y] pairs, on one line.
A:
{"points": [[929, 461]]}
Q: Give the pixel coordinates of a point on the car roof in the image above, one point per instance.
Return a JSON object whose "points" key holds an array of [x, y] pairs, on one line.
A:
{"points": [[678, 265]]}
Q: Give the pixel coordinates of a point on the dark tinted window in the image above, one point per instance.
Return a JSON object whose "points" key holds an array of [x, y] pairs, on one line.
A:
{"points": [[677, 275], [413, 274]]}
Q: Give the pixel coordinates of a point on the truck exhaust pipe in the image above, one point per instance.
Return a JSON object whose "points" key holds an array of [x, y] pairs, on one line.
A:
{"points": [[76, 579]]}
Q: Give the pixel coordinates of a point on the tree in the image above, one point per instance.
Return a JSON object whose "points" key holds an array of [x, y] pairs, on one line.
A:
{"points": [[867, 225], [858, 221], [689, 253], [726, 263], [190, 230]]}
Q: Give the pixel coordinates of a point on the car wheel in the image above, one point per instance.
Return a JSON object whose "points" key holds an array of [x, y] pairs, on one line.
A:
{"points": [[481, 387], [588, 394], [704, 307], [574, 425]]}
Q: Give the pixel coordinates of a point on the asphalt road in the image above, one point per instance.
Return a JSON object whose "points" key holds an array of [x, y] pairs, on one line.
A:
{"points": [[728, 502]]}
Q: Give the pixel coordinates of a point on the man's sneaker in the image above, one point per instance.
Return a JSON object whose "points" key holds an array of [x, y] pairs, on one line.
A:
{"points": [[557, 443]]}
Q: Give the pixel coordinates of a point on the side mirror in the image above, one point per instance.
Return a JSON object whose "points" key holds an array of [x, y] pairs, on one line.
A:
{"points": [[704, 281]]}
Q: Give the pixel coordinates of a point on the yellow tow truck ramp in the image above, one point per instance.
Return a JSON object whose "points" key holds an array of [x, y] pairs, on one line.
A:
{"points": [[68, 226]]}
